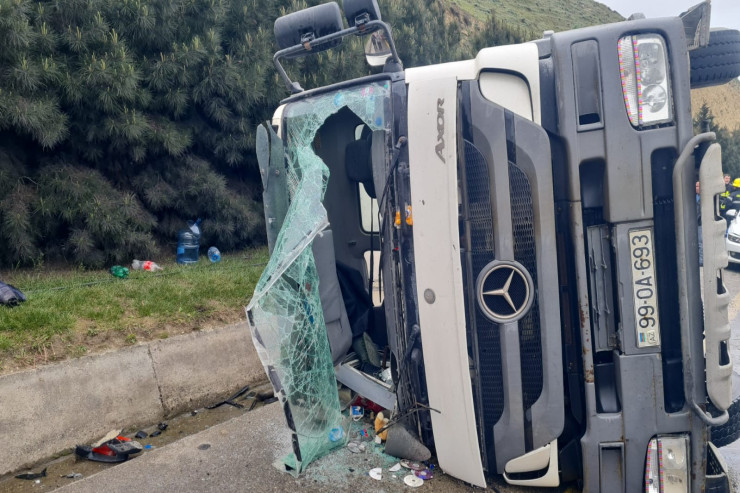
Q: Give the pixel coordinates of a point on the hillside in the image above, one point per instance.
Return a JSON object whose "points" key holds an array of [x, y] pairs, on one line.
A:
{"points": [[558, 15], [724, 101], [561, 15]]}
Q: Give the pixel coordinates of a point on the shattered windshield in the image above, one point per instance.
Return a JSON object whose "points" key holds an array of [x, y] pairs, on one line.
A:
{"points": [[285, 314]]}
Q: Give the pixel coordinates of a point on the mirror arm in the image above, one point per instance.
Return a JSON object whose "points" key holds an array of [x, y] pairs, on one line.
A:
{"points": [[305, 49]]}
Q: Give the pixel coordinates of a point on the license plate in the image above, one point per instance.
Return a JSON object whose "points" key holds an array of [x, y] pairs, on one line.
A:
{"points": [[644, 288]]}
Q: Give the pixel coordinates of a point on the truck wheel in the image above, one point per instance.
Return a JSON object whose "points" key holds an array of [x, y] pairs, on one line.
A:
{"points": [[730, 431], [718, 62]]}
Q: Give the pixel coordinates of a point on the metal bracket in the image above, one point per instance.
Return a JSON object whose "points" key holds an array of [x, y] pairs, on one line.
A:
{"points": [[305, 49], [688, 341]]}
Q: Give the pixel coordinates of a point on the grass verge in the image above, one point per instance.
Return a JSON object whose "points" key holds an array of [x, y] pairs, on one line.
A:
{"points": [[70, 313]]}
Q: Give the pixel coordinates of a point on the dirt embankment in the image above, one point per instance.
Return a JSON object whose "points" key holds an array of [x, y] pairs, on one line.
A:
{"points": [[724, 101]]}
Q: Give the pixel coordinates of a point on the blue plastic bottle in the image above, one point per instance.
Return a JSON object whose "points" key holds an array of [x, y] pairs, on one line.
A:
{"points": [[214, 255], [188, 243]]}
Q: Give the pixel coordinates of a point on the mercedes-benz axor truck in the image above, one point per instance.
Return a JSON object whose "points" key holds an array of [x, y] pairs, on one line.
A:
{"points": [[503, 252]]}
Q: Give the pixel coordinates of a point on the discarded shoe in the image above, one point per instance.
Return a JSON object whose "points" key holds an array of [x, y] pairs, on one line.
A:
{"points": [[115, 450], [32, 475], [86, 452]]}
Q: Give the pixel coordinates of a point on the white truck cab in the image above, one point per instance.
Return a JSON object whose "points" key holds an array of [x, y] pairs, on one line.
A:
{"points": [[537, 311]]}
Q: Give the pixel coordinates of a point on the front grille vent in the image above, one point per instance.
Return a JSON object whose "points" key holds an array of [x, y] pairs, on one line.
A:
{"points": [[530, 342]]}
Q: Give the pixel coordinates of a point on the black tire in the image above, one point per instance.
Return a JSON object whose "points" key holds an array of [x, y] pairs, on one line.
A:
{"points": [[730, 431], [718, 62]]}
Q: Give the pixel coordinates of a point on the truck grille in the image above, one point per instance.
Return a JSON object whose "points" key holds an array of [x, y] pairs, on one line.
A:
{"points": [[522, 218], [480, 222], [485, 342]]}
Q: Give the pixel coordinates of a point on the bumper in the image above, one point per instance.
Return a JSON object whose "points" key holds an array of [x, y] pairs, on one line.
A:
{"points": [[716, 298], [718, 475], [733, 252]]}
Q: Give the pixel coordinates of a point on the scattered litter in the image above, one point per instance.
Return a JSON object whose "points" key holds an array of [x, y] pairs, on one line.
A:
{"points": [[162, 426], [148, 446], [395, 468], [363, 433], [147, 265], [336, 434], [367, 404], [378, 440], [119, 271], [356, 412], [425, 474], [141, 434], [38, 481], [109, 436], [413, 481], [214, 255], [376, 473], [267, 394], [194, 413], [204, 446], [355, 447], [230, 400], [117, 449], [270, 400], [381, 422], [155, 433], [32, 475], [72, 475], [415, 466]]}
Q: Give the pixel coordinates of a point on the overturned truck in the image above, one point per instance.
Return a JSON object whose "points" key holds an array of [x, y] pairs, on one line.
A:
{"points": [[518, 237]]}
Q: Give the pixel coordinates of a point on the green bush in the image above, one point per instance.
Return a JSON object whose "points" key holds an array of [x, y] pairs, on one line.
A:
{"points": [[122, 119]]}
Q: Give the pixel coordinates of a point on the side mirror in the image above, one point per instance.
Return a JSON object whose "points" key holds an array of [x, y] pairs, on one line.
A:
{"points": [[696, 25], [359, 12], [302, 27], [377, 49]]}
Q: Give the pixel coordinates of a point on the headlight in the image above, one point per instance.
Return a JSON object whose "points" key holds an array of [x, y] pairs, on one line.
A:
{"points": [[667, 465], [734, 238], [643, 66]]}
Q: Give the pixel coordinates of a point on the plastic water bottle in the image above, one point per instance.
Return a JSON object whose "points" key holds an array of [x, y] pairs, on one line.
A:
{"points": [[188, 243], [145, 265], [214, 255]]}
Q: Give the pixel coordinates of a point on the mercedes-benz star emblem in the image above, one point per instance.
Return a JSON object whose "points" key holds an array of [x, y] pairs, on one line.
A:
{"points": [[504, 291]]}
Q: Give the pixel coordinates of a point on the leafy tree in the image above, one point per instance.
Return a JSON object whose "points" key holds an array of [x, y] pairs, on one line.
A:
{"points": [[496, 32], [122, 119], [729, 140]]}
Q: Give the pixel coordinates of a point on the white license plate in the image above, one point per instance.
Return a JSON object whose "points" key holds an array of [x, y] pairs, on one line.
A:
{"points": [[644, 288]]}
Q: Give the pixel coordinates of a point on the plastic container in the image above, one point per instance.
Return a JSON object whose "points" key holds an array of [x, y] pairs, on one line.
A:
{"points": [[188, 243], [214, 255]]}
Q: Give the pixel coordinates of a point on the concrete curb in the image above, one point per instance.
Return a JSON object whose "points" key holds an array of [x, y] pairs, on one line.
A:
{"points": [[50, 409]]}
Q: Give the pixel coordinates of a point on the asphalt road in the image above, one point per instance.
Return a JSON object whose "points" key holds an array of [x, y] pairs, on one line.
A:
{"points": [[237, 456], [731, 279]]}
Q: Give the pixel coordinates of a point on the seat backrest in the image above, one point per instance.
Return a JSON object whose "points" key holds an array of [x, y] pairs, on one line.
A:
{"points": [[359, 163], [338, 329]]}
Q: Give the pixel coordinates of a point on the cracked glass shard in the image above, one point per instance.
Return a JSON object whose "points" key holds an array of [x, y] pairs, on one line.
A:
{"points": [[285, 314]]}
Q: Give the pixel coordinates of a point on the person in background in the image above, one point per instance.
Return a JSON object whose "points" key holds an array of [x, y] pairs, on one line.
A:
{"points": [[725, 200], [735, 194]]}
